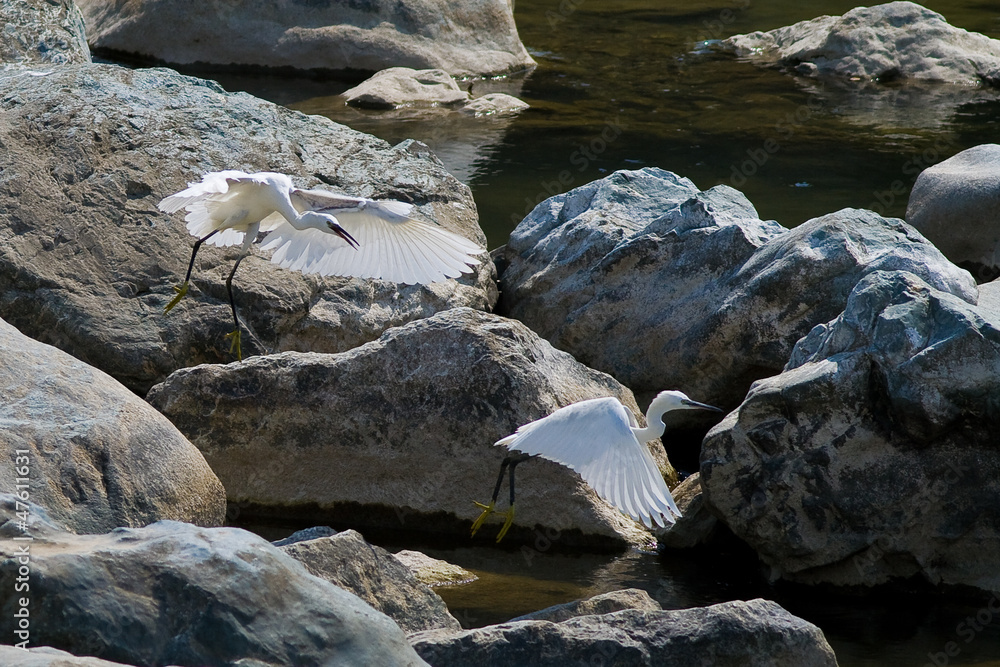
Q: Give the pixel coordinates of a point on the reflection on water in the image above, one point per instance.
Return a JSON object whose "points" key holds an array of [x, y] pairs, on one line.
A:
{"points": [[622, 85]]}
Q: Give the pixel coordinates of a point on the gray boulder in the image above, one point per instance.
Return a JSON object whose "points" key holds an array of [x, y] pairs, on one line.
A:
{"points": [[90, 451], [465, 39], [419, 409], [888, 42], [42, 32], [643, 276], [873, 456], [46, 656], [175, 594], [757, 633], [605, 603], [954, 204], [377, 577], [434, 571], [493, 104], [87, 263]]}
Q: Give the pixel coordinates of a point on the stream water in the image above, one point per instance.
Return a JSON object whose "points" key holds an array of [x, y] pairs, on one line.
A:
{"points": [[623, 85]]}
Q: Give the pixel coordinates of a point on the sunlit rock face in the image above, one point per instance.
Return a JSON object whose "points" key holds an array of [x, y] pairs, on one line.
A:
{"points": [[662, 285], [464, 39], [91, 452], [889, 42], [954, 204], [399, 433], [874, 455], [42, 32], [176, 594]]}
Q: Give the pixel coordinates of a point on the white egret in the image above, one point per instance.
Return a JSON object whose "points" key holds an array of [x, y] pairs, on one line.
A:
{"points": [[601, 440], [314, 231]]}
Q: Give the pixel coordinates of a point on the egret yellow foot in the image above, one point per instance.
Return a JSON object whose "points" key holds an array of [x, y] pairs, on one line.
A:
{"points": [[181, 291], [487, 510], [506, 524], [235, 345]]}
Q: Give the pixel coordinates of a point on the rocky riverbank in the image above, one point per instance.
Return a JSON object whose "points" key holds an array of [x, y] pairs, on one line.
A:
{"points": [[858, 363]]}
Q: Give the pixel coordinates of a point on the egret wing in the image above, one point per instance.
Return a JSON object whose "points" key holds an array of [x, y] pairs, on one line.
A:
{"points": [[203, 200], [391, 245], [594, 438]]}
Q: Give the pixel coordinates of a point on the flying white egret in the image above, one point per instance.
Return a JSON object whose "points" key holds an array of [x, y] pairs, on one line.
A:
{"points": [[601, 440], [314, 231]]}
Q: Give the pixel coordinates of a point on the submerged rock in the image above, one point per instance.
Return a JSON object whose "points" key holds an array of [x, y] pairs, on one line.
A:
{"points": [[403, 86], [874, 455], [399, 433], [954, 204], [42, 32], [888, 42], [175, 594], [757, 633], [434, 571], [87, 262], [464, 39], [91, 452], [432, 90], [377, 577], [644, 277], [605, 603]]}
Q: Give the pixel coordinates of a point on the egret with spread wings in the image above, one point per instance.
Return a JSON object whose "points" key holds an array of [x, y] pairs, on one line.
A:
{"points": [[601, 440], [314, 231]]}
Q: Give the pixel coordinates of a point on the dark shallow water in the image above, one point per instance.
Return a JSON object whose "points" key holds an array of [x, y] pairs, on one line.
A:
{"points": [[623, 85]]}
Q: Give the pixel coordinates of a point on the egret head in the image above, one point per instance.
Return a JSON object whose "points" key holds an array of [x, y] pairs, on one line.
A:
{"points": [[678, 400], [327, 223]]}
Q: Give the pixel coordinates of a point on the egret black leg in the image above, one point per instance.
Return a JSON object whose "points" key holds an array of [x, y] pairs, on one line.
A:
{"points": [[235, 335], [182, 290], [512, 463]]}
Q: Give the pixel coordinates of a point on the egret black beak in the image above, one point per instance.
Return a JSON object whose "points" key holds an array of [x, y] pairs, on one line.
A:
{"points": [[695, 404], [342, 233]]}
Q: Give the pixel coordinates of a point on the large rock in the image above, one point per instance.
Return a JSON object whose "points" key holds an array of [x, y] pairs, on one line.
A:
{"points": [[954, 204], [399, 432], [46, 656], [643, 276], [175, 594], [42, 32], [467, 38], [757, 633], [889, 42], [87, 263], [90, 451], [377, 577], [605, 603], [874, 455]]}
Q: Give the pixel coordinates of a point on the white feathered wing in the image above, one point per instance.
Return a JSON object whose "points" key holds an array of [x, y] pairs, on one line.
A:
{"points": [[391, 245], [594, 438]]}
